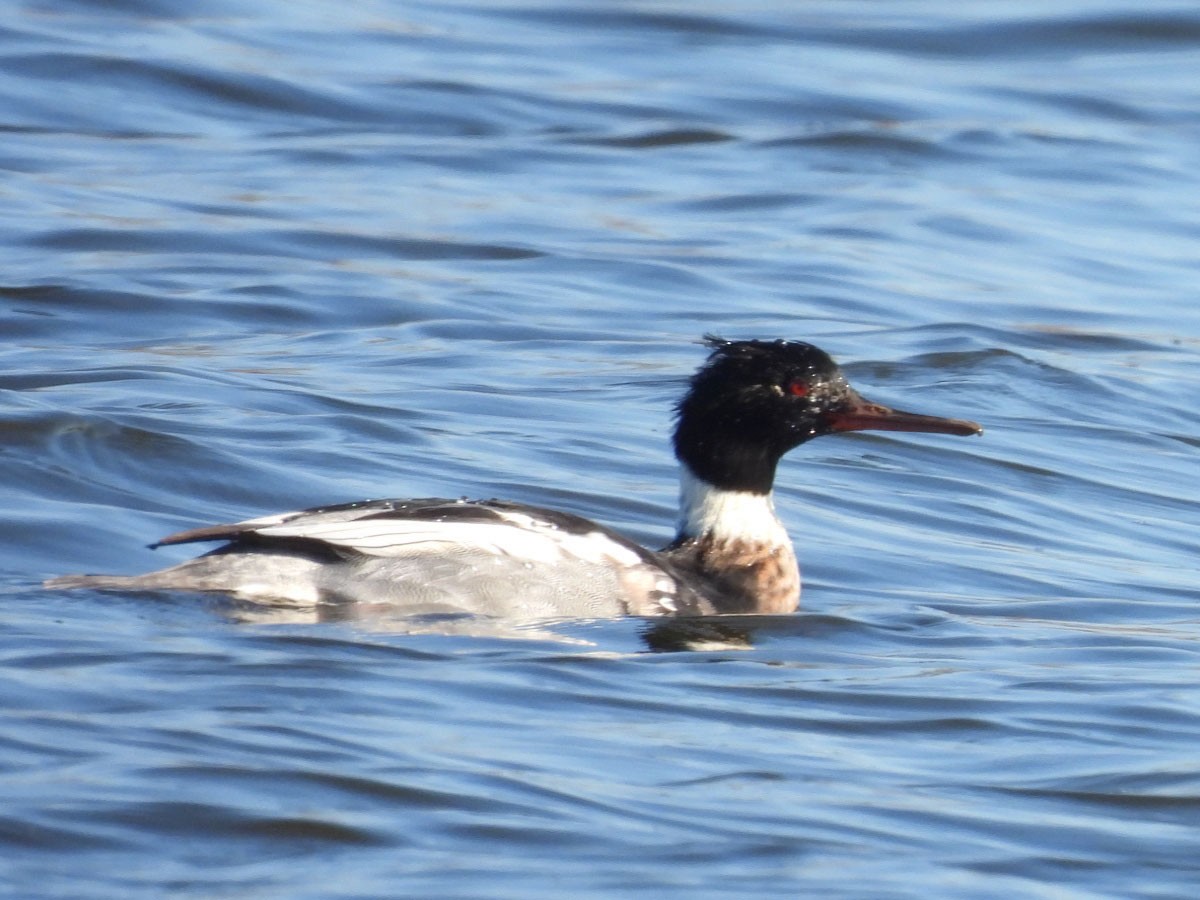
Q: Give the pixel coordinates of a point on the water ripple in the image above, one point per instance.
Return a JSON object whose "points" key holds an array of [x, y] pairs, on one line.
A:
{"points": [[263, 257]]}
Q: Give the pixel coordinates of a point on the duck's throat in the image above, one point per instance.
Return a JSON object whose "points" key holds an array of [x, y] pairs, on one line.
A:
{"points": [[726, 515]]}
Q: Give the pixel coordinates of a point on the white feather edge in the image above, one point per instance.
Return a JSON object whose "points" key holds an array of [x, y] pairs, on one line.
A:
{"points": [[520, 535]]}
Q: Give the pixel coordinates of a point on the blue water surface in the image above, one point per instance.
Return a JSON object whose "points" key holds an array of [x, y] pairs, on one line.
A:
{"points": [[261, 256]]}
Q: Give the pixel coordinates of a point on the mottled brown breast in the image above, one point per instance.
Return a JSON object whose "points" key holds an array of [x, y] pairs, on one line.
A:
{"points": [[741, 576]]}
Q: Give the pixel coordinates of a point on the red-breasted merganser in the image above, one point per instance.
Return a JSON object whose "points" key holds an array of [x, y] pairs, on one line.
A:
{"points": [[749, 404]]}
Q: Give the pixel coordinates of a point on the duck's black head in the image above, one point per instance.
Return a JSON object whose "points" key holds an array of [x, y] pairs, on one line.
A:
{"points": [[753, 401]]}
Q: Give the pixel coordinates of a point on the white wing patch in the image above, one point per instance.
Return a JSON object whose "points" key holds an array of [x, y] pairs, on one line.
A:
{"points": [[518, 535]]}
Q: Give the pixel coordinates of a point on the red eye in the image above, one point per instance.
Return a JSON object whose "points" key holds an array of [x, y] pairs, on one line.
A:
{"points": [[798, 388]]}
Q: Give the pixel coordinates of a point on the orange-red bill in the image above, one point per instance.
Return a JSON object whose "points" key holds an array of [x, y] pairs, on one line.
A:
{"points": [[863, 415]]}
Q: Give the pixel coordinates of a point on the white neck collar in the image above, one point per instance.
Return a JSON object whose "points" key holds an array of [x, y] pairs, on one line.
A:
{"points": [[723, 514]]}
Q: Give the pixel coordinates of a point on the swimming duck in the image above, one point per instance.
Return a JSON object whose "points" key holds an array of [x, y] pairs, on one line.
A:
{"points": [[750, 403]]}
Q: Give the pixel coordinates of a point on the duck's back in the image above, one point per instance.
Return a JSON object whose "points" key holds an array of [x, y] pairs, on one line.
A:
{"points": [[425, 556]]}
